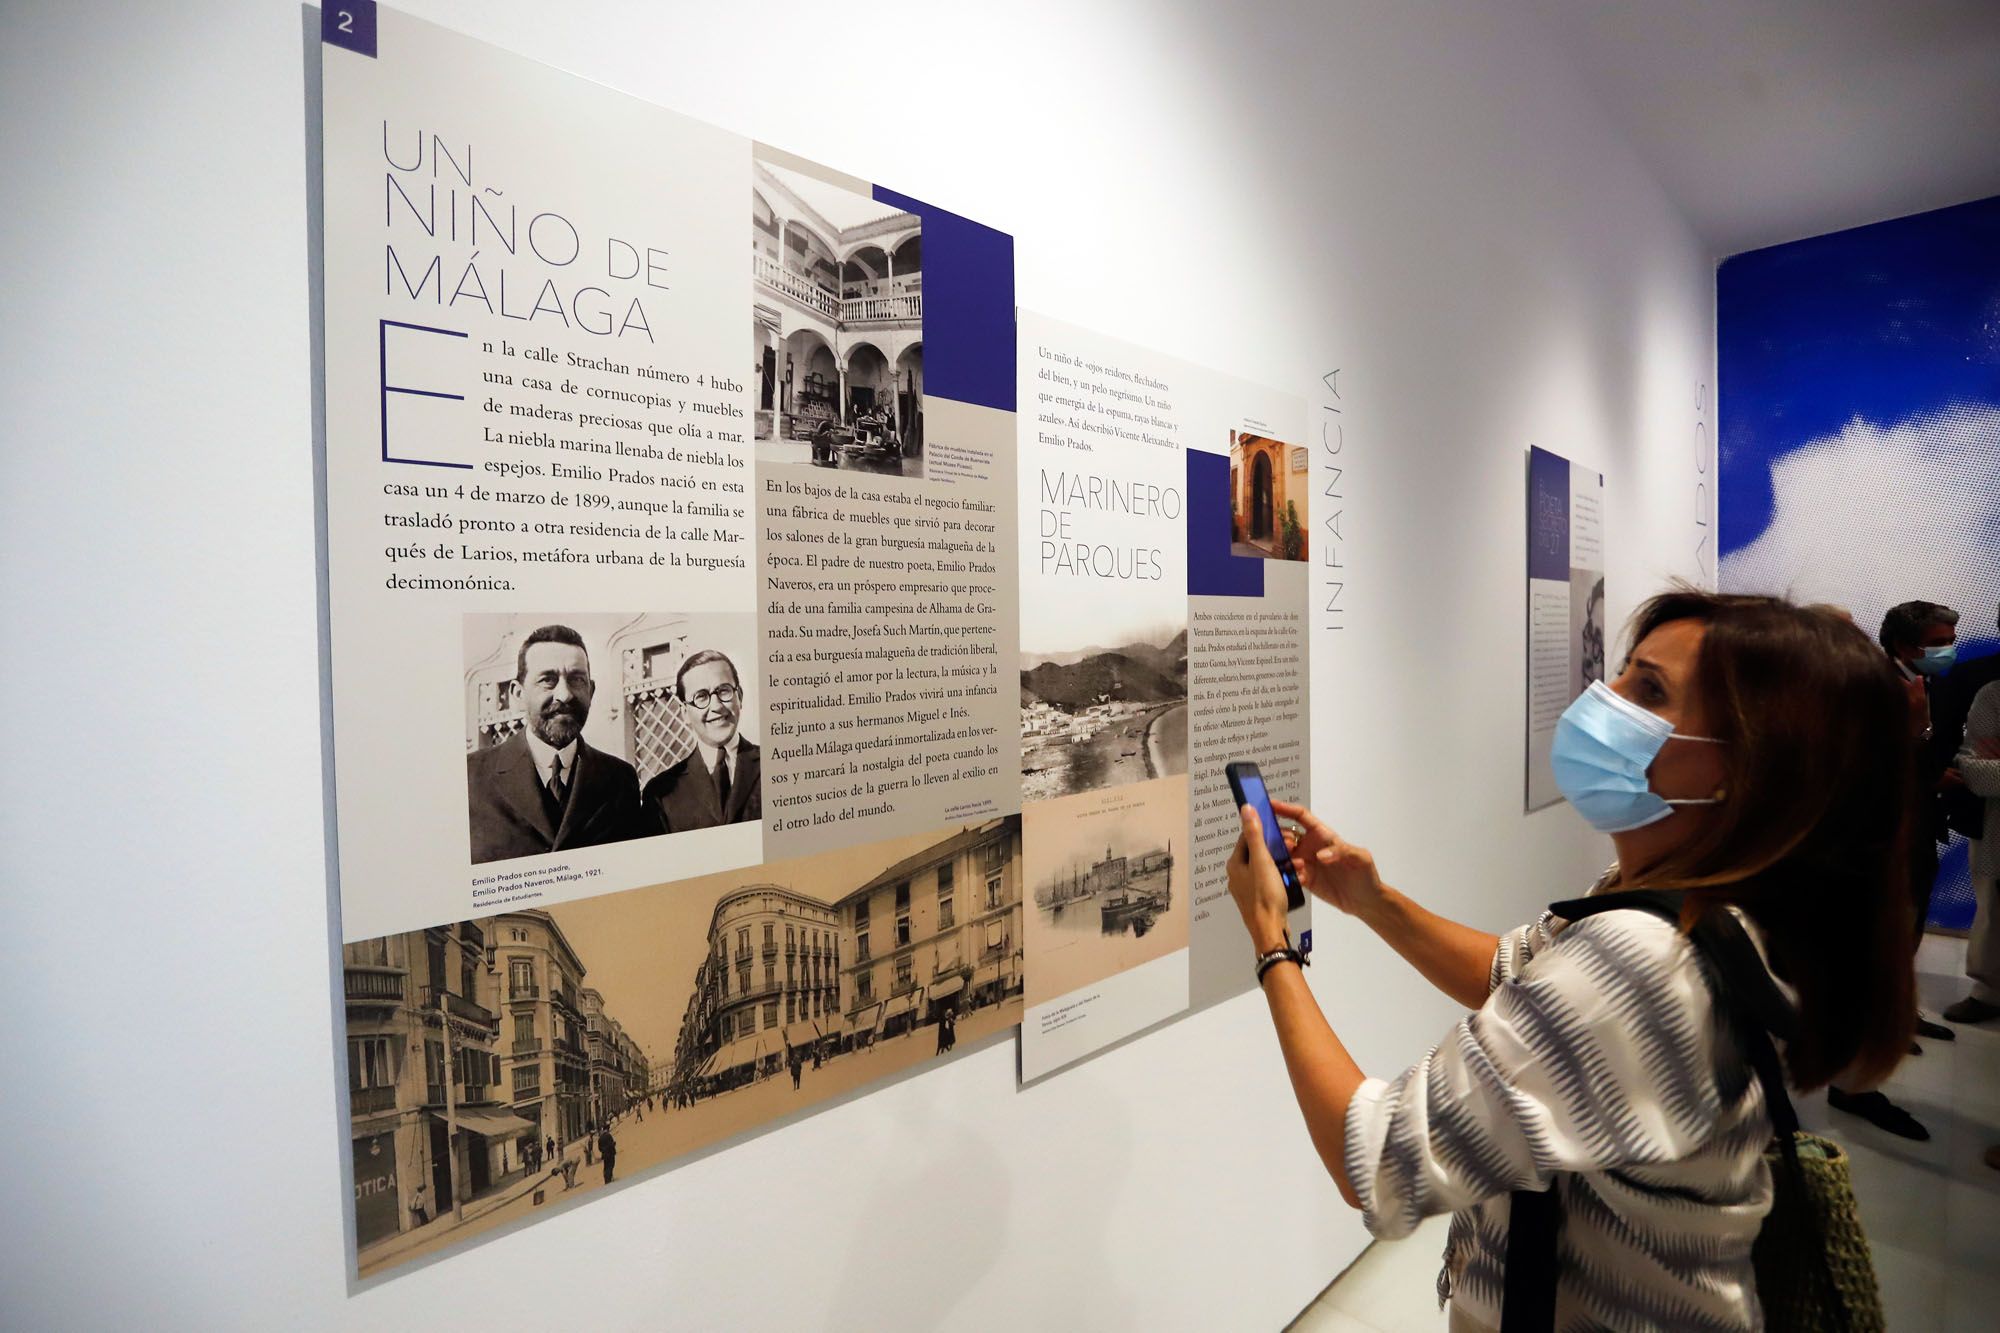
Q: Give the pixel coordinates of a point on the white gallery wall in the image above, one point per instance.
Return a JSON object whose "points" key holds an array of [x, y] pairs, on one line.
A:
{"points": [[1417, 195]]}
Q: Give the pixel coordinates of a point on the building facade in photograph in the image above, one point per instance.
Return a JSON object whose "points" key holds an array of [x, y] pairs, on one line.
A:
{"points": [[545, 1057], [839, 307], [699, 1037], [940, 929], [423, 1076], [1266, 477], [607, 1073], [792, 974], [635, 1067], [772, 978], [624, 1075]]}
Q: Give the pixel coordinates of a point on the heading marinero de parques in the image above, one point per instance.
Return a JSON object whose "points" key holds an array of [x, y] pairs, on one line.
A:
{"points": [[1065, 551]]}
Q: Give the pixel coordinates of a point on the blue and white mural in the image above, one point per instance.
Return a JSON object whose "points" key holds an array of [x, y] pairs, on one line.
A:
{"points": [[1859, 377]]}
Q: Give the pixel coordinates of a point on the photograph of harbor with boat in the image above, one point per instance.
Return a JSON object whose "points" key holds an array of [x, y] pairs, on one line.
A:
{"points": [[1116, 894], [1108, 874]]}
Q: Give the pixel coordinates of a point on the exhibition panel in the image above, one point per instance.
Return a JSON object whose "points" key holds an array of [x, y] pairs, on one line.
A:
{"points": [[660, 621], [1566, 643], [1165, 521]]}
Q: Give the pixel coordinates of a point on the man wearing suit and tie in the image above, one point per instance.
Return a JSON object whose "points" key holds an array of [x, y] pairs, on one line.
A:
{"points": [[720, 780], [545, 789]]}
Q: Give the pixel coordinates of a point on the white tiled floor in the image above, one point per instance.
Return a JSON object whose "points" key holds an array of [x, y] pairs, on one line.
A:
{"points": [[1932, 1210]]}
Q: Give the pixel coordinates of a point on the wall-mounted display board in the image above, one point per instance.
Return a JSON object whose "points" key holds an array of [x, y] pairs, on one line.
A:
{"points": [[675, 735], [1565, 602], [685, 704], [1164, 519]]}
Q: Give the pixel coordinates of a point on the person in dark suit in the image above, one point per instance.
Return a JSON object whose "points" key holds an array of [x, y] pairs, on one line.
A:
{"points": [[545, 789], [720, 781], [1921, 639]]}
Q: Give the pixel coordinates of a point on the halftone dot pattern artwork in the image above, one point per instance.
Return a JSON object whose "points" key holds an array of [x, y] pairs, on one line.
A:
{"points": [[1859, 411]]}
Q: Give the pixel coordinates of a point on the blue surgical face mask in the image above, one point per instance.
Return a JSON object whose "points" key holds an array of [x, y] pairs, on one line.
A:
{"points": [[1936, 661], [1604, 744]]}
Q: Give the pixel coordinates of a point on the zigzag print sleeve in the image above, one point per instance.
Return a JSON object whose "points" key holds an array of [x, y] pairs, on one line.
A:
{"points": [[1517, 946], [1595, 1052]]}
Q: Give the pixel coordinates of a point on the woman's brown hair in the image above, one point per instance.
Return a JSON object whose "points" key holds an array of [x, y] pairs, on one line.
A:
{"points": [[1811, 839]]}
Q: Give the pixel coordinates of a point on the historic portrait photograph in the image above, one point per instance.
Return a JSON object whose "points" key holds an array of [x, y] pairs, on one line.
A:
{"points": [[599, 727]]}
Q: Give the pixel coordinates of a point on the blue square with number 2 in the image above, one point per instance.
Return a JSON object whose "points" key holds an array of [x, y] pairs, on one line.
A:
{"points": [[349, 23]]}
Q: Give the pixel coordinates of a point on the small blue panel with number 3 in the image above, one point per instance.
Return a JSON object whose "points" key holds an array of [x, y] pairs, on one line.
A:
{"points": [[349, 23]]}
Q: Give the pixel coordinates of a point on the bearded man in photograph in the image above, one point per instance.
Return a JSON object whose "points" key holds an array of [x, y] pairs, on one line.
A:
{"points": [[546, 789]]}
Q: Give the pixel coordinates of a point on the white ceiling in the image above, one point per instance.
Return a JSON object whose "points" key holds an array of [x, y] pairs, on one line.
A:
{"points": [[1768, 120]]}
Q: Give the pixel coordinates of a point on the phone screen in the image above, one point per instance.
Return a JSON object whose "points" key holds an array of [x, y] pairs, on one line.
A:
{"points": [[1247, 782]]}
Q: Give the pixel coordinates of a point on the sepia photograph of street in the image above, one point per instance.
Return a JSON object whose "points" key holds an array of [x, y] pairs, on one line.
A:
{"points": [[1099, 717], [1108, 876], [837, 346], [501, 1066]]}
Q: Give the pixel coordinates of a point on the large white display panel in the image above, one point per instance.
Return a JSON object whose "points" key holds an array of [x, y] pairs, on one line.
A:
{"points": [[1424, 200]]}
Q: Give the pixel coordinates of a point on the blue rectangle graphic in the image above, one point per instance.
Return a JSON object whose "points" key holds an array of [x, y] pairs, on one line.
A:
{"points": [[1548, 516], [968, 306], [1213, 571], [349, 24]]}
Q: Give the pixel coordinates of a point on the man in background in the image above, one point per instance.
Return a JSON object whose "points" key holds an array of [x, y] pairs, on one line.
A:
{"points": [[546, 789], [1921, 639], [719, 781], [1973, 716]]}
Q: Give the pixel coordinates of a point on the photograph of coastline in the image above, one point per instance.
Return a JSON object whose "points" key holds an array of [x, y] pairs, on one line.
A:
{"points": [[1103, 717], [1106, 873]]}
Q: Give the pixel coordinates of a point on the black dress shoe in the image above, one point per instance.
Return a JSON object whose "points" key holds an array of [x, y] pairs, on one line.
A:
{"points": [[1935, 1031], [1972, 1009], [1878, 1111]]}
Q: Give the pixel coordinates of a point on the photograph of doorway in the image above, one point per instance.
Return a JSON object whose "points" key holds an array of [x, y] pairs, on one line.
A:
{"points": [[1267, 498]]}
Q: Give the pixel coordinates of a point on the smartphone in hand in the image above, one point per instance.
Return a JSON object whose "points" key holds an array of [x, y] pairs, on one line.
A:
{"points": [[1246, 782]]}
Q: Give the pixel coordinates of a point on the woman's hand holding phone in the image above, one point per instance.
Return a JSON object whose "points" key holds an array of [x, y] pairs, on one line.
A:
{"points": [[1331, 869], [1256, 886]]}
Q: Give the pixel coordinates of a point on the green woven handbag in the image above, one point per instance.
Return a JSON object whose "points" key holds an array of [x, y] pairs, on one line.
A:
{"points": [[1813, 1209]]}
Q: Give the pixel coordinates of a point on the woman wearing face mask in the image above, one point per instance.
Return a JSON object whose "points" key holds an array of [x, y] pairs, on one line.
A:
{"points": [[1752, 753]]}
